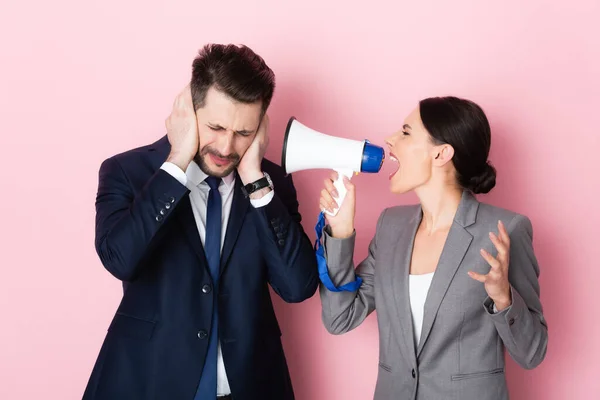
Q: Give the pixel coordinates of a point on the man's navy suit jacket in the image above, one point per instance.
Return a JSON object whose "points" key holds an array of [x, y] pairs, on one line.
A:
{"points": [[146, 236]]}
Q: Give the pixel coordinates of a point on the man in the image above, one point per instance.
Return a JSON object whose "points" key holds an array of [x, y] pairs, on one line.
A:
{"points": [[196, 250]]}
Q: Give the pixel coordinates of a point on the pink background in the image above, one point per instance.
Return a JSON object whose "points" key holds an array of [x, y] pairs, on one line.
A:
{"points": [[83, 80]]}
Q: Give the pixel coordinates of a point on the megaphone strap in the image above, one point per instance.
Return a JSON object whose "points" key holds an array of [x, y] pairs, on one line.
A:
{"points": [[322, 263]]}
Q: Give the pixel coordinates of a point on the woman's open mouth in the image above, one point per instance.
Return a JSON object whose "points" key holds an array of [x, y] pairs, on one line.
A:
{"points": [[394, 159]]}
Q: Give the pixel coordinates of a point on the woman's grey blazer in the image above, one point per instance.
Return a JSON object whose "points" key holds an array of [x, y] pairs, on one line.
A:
{"points": [[460, 354]]}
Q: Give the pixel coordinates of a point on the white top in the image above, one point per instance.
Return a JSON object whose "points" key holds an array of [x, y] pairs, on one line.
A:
{"points": [[193, 178], [418, 288]]}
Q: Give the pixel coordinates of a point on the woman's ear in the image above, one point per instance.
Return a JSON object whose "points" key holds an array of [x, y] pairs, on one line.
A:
{"points": [[442, 155]]}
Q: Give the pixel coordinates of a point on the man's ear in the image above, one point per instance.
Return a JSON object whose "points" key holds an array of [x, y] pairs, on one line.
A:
{"points": [[442, 155]]}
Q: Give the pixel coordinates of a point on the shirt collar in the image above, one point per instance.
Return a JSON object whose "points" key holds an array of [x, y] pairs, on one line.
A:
{"points": [[196, 176]]}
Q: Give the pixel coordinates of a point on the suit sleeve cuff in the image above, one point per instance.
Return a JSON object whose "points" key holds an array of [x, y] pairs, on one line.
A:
{"points": [[263, 201], [175, 172], [338, 252], [510, 314]]}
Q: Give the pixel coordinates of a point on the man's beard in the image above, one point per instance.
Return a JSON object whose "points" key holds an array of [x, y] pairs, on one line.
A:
{"points": [[200, 157]]}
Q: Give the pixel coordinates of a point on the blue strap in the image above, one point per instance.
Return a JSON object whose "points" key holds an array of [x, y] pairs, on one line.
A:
{"points": [[322, 263]]}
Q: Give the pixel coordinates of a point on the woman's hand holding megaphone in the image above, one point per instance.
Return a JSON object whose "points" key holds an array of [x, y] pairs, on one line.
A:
{"points": [[342, 224]]}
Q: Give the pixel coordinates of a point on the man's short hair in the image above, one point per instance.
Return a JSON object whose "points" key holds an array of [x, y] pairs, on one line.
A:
{"points": [[237, 71]]}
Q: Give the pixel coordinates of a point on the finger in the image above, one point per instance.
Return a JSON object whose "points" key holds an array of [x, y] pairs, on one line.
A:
{"points": [[494, 263], [502, 250], [349, 185], [477, 277], [265, 121], [260, 132], [188, 101], [324, 207], [333, 176], [187, 91], [331, 188], [327, 199], [503, 234]]}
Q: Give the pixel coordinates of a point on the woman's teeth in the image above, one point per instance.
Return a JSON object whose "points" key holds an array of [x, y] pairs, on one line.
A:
{"points": [[394, 159]]}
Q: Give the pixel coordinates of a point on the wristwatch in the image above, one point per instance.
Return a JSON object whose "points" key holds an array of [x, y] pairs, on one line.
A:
{"points": [[257, 185]]}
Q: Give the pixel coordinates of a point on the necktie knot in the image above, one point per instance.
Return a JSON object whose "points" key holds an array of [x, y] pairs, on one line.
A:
{"points": [[213, 182]]}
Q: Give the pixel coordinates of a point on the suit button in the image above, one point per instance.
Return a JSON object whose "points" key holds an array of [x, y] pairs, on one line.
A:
{"points": [[158, 218], [167, 205], [162, 212], [206, 289], [202, 334], [280, 235], [281, 242], [511, 321], [172, 199], [414, 374], [276, 228]]}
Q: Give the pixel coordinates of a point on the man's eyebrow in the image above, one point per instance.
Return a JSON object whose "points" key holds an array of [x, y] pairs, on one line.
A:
{"points": [[240, 132]]}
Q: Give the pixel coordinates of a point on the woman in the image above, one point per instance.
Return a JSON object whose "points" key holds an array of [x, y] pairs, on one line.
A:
{"points": [[454, 281]]}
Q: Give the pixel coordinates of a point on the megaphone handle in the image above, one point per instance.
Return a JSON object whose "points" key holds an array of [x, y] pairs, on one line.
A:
{"points": [[341, 188]]}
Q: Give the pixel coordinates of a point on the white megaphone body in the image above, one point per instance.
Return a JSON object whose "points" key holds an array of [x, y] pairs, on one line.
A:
{"points": [[305, 148]]}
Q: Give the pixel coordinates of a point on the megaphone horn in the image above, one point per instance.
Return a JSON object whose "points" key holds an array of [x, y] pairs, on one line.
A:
{"points": [[305, 148]]}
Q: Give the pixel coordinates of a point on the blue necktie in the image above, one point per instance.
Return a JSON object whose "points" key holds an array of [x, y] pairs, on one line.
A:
{"points": [[207, 389]]}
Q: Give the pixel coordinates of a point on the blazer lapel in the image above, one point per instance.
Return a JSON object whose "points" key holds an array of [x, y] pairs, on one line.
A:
{"points": [[239, 206], [457, 244], [185, 216], [186, 219], [405, 235]]}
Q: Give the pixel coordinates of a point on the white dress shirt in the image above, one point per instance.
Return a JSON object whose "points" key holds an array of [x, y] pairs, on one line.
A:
{"points": [[193, 179], [418, 289]]}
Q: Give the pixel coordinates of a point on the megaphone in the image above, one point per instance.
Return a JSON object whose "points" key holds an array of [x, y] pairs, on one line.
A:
{"points": [[305, 148]]}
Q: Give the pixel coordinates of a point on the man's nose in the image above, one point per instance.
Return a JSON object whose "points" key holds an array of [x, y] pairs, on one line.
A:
{"points": [[225, 144]]}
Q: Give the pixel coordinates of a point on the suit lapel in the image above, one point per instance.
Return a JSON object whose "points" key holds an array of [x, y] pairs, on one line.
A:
{"points": [[239, 206], [455, 248], [185, 216], [186, 219], [405, 239]]}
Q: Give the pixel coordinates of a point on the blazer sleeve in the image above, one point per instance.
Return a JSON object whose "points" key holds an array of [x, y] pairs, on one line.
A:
{"points": [[522, 325], [343, 311], [287, 250], [128, 222]]}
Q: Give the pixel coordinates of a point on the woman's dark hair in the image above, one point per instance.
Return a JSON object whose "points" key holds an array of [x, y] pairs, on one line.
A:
{"points": [[463, 125]]}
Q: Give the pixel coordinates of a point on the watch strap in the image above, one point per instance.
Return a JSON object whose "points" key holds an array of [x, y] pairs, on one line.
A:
{"points": [[256, 185]]}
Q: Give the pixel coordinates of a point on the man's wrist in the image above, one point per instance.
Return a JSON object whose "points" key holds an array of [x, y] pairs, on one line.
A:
{"points": [[251, 176], [181, 161], [256, 184]]}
